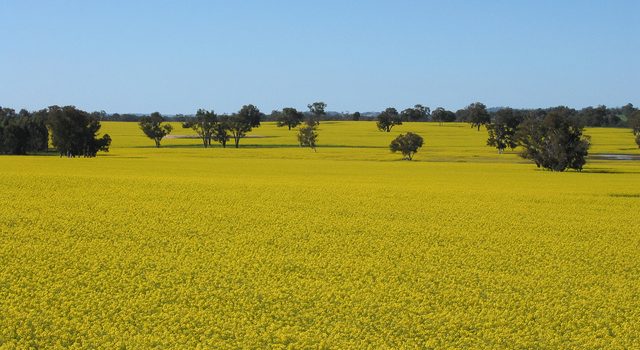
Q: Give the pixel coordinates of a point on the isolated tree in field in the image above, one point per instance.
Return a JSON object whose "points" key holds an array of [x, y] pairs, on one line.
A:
{"points": [[477, 115], [355, 116], [502, 132], [554, 142], [154, 127], [441, 115], [74, 132], [241, 123], [388, 119], [307, 136], [417, 113], [317, 111], [204, 124], [289, 117], [408, 144]]}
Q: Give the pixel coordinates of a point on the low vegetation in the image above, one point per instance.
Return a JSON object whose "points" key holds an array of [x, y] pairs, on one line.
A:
{"points": [[274, 246]]}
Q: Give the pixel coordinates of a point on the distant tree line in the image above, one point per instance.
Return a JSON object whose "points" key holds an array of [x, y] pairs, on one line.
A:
{"points": [[476, 114], [73, 132]]}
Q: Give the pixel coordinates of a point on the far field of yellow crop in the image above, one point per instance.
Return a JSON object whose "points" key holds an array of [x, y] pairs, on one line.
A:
{"points": [[276, 246]]}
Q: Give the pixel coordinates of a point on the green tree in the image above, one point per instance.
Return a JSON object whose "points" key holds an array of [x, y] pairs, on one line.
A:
{"points": [[408, 144], [289, 117], [638, 140], [220, 132], [154, 127], [477, 115], [388, 119], [317, 111], [74, 132], [502, 132], [633, 120], [204, 124], [307, 136], [355, 116], [241, 123], [417, 113], [555, 141], [22, 133], [441, 115]]}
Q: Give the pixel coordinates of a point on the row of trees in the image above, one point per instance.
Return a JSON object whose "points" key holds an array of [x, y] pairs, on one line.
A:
{"points": [[477, 115], [590, 116], [207, 124], [74, 133], [211, 127]]}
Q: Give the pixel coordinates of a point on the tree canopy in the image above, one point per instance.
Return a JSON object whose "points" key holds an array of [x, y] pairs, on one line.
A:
{"points": [[308, 136], [408, 144], [204, 124], [154, 128], [502, 131], [317, 111], [477, 115], [239, 124], [417, 113], [555, 141], [289, 117], [23, 132], [442, 115], [74, 132], [388, 119]]}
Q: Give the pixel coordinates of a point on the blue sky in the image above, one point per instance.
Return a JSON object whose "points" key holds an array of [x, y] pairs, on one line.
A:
{"points": [[177, 56]]}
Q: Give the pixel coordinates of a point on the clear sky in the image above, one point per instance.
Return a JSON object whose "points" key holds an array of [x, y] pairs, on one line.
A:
{"points": [[177, 56]]}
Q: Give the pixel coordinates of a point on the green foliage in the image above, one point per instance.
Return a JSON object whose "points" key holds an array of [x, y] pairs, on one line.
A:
{"points": [[205, 124], [289, 117], [317, 111], [74, 132], [220, 133], [388, 119], [476, 114], [22, 133], [634, 122], [554, 142], [241, 123], [441, 115], [307, 136], [408, 144], [502, 132], [154, 128], [415, 114]]}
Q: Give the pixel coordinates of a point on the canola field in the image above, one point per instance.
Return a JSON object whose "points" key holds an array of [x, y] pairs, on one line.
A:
{"points": [[275, 246]]}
